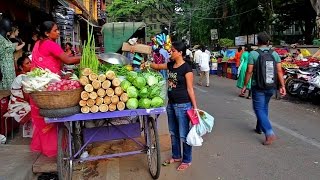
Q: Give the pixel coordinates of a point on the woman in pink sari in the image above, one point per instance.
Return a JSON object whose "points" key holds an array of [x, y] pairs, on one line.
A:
{"points": [[47, 54]]}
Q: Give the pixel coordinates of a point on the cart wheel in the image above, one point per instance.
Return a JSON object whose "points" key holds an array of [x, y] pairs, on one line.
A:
{"points": [[153, 147], [64, 153]]}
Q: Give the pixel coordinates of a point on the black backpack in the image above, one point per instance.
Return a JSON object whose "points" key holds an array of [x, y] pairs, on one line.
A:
{"points": [[265, 70]]}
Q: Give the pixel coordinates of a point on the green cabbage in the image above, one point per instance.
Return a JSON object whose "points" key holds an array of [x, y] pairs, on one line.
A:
{"points": [[144, 103], [132, 103], [132, 92], [157, 102], [131, 76], [125, 84], [152, 80], [139, 82], [144, 92], [155, 91]]}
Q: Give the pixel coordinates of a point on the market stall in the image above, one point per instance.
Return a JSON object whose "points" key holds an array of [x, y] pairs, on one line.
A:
{"points": [[128, 103]]}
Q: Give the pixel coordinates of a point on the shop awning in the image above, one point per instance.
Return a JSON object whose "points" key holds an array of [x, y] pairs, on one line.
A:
{"points": [[116, 33]]}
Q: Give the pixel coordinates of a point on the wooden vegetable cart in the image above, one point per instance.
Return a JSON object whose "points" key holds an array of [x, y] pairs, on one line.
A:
{"points": [[70, 145]]}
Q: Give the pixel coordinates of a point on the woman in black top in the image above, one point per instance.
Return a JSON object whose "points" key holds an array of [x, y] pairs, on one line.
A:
{"points": [[181, 98]]}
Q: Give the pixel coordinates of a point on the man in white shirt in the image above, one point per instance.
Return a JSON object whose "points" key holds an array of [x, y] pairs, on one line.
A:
{"points": [[208, 52], [204, 67], [196, 59]]}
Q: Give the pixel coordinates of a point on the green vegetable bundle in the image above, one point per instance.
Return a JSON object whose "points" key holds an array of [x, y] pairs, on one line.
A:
{"points": [[89, 58]]}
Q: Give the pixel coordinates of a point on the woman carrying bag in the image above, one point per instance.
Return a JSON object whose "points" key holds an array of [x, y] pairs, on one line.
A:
{"points": [[181, 98]]}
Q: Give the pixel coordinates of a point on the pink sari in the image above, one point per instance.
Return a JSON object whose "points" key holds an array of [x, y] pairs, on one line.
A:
{"points": [[45, 136]]}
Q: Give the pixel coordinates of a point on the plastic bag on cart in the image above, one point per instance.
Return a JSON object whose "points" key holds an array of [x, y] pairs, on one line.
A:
{"points": [[193, 138]]}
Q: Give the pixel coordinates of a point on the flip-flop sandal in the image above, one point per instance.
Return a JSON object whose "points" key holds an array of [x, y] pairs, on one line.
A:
{"points": [[170, 161], [183, 166], [241, 95], [248, 97]]}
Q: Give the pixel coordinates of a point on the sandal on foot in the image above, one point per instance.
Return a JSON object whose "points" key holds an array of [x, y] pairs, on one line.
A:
{"points": [[183, 166], [170, 161], [241, 95]]}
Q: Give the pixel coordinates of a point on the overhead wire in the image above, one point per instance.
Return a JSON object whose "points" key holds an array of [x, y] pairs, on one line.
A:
{"points": [[208, 18]]}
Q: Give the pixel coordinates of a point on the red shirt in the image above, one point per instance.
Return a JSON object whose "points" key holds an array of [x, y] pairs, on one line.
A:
{"points": [[158, 58]]}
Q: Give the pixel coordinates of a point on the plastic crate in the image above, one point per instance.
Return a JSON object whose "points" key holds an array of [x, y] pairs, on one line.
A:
{"points": [[213, 72]]}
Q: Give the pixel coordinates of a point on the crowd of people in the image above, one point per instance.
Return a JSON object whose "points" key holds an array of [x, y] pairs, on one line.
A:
{"points": [[176, 65]]}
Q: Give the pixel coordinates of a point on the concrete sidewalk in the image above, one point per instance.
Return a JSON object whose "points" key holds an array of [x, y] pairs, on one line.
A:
{"points": [[16, 162]]}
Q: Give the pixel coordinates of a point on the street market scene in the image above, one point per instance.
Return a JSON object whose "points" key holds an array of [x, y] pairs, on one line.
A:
{"points": [[159, 89]]}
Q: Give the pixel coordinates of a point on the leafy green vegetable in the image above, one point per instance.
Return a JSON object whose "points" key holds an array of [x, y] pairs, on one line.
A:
{"points": [[155, 91], [132, 103], [131, 76], [144, 103], [157, 102], [36, 72], [125, 84], [132, 92], [139, 82], [144, 92], [120, 70], [152, 80]]}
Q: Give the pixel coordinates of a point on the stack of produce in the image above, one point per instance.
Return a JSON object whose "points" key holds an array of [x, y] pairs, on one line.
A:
{"points": [[288, 65], [106, 92], [101, 92], [145, 90], [38, 79]]}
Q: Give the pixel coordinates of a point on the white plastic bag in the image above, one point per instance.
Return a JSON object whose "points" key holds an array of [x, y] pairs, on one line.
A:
{"points": [[193, 139]]}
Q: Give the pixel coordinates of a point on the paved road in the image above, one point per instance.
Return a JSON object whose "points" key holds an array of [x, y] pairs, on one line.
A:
{"points": [[233, 150]]}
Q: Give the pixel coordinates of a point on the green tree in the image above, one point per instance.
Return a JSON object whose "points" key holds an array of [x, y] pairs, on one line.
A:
{"points": [[298, 12]]}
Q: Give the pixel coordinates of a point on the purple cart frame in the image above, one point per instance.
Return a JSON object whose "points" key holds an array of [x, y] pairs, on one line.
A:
{"points": [[68, 154]]}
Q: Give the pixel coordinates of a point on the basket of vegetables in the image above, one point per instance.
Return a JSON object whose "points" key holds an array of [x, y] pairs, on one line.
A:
{"points": [[58, 95]]}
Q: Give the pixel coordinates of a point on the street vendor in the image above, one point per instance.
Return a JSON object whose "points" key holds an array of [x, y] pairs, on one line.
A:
{"points": [[299, 55], [47, 54]]}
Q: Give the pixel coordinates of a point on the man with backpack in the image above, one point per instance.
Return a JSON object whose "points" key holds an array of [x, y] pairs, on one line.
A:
{"points": [[265, 68]]}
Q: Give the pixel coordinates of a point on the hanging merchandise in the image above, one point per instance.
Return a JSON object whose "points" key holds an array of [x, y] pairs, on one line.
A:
{"points": [[64, 17], [161, 40]]}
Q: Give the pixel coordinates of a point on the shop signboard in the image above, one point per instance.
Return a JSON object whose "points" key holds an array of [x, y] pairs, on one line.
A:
{"points": [[240, 40], [253, 39]]}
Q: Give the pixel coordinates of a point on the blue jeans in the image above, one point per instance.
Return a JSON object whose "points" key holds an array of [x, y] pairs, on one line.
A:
{"points": [[260, 101], [164, 74], [179, 128]]}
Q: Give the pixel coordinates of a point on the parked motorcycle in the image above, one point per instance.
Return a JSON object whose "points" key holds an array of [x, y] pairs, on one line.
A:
{"points": [[309, 90], [296, 78]]}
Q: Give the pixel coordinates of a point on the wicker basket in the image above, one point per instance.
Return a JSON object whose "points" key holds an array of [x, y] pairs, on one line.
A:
{"points": [[57, 99]]}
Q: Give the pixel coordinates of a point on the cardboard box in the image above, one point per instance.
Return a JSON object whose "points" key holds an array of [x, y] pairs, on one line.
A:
{"points": [[140, 48]]}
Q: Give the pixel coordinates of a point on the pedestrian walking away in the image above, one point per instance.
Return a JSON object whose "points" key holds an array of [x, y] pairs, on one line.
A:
{"points": [[196, 59], [242, 69], [181, 98], [265, 68], [204, 67]]}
